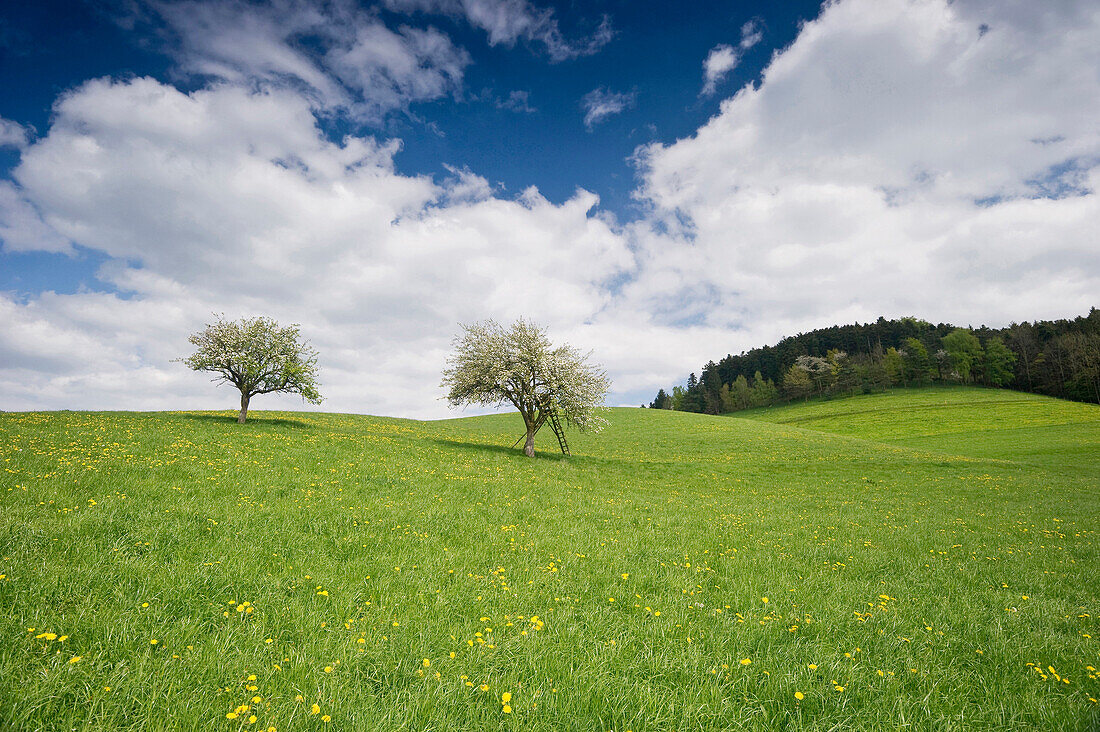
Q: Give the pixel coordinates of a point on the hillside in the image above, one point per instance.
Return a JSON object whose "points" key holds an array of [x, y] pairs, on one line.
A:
{"points": [[865, 563], [1047, 433], [1058, 358]]}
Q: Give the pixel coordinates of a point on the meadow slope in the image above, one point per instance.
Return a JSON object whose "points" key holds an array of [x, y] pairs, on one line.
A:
{"points": [[923, 559]]}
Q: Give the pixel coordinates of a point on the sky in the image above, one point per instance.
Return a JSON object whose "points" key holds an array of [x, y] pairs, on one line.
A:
{"points": [[659, 184]]}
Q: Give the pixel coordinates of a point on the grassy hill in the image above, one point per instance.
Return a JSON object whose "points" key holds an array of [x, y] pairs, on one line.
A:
{"points": [[917, 558]]}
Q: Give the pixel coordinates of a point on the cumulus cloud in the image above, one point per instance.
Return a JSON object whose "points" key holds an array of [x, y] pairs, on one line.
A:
{"points": [[507, 21], [724, 58], [231, 200], [931, 158], [341, 57], [935, 159], [599, 104], [13, 134], [21, 226]]}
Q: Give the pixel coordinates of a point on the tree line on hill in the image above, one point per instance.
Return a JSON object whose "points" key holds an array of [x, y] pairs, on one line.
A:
{"points": [[1058, 358]]}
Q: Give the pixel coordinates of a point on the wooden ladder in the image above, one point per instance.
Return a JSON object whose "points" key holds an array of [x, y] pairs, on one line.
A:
{"points": [[555, 424]]}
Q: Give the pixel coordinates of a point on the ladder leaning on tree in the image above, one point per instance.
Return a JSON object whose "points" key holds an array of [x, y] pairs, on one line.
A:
{"points": [[555, 425]]}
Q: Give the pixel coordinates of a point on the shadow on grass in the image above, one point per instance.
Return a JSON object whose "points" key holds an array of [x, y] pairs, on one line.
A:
{"points": [[500, 449], [212, 418]]}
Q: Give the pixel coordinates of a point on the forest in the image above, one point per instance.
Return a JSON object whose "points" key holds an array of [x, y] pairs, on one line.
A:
{"points": [[1059, 358]]}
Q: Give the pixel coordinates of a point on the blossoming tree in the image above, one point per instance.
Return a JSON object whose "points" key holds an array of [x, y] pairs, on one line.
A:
{"points": [[257, 356], [492, 366]]}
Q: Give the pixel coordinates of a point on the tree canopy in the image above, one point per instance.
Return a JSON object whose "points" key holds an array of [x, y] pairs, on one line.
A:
{"points": [[257, 356], [1056, 357], [492, 366]]}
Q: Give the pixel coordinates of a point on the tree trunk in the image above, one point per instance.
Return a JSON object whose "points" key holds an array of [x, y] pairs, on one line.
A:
{"points": [[529, 446], [244, 408]]}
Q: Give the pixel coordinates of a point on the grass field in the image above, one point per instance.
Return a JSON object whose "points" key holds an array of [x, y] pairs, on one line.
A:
{"points": [[919, 559]]}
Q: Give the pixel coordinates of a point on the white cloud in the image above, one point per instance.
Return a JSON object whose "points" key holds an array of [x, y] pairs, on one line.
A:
{"points": [[724, 58], [507, 21], [721, 60], [932, 159], [342, 58], [751, 34], [517, 101], [889, 163], [13, 134], [228, 200], [599, 104], [21, 226]]}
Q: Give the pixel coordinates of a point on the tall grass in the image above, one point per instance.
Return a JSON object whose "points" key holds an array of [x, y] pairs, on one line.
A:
{"points": [[831, 568]]}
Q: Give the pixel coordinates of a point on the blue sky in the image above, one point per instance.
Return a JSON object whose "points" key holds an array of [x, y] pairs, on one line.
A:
{"points": [[661, 184], [541, 140]]}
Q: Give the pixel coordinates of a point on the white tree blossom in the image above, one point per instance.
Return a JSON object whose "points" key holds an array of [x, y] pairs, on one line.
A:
{"points": [[257, 356], [492, 366]]}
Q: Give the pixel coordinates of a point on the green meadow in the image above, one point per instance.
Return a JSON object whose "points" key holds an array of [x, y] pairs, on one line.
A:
{"points": [[922, 559]]}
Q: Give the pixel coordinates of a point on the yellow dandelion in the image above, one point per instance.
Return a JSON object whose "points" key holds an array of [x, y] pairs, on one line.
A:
{"points": [[252, 719], [315, 709], [426, 663], [326, 718], [812, 666], [746, 661], [328, 669], [153, 641], [75, 659], [799, 695], [484, 687], [506, 697], [506, 709]]}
